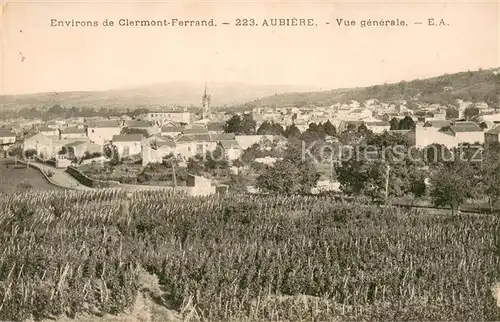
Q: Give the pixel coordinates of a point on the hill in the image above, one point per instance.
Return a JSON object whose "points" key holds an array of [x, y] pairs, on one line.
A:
{"points": [[469, 86], [175, 93]]}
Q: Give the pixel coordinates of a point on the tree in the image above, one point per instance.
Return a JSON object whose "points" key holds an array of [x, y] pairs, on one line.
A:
{"points": [[471, 113], [394, 122], [294, 174], [241, 125], [250, 154], [436, 154], [288, 178], [128, 130], [406, 124], [363, 130], [30, 153], [111, 152], [329, 128], [292, 131], [270, 128], [56, 110], [195, 165], [315, 132], [452, 113], [490, 177], [216, 160], [452, 185], [238, 183]]}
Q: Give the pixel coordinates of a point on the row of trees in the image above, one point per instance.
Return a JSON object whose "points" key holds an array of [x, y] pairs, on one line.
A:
{"points": [[392, 169], [448, 177], [57, 111]]}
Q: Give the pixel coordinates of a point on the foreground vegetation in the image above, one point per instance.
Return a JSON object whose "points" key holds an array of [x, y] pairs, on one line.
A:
{"points": [[244, 258]]}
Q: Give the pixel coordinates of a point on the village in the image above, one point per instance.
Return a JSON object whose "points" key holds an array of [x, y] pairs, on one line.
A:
{"points": [[127, 150]]}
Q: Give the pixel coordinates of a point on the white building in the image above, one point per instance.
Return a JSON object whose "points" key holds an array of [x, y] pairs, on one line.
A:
{"points": [[162, 117], [73, 133], [127, 144], [102, 132]]}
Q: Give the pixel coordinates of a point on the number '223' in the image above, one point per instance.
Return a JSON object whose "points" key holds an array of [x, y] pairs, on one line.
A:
{"points": [[245, 22]]}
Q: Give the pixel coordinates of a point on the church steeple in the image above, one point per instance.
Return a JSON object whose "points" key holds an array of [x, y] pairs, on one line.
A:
{"points": [[205, 104]]}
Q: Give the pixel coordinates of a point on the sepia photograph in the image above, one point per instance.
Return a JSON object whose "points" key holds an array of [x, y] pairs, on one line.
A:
{"points": [[249, 161]]}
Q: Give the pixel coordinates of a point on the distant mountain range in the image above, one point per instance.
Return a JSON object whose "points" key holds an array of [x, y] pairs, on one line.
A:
{"points": [[175, 93], [471, 86]]}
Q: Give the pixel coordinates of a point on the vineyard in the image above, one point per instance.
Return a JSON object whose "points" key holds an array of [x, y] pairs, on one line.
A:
{"points": [[244, 258]]}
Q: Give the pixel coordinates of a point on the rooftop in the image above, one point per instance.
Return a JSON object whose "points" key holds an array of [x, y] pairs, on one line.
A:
{"points": [[495, 130], [46, 129], [136, 123], [437, 124], [104, 124], [75, 143], [72, 130], [127, 138], [229, 144], [6, 133], [377, 123], [465, 127], [170, 129]]}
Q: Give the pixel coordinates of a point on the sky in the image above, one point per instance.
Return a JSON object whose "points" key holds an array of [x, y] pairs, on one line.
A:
{"points": [[37, 57]]}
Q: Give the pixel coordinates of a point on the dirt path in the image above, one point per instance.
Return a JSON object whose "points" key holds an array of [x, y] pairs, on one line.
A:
{"points": [[59, 177]]}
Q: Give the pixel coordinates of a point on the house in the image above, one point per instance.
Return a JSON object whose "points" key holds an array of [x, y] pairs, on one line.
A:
{"points": [[492, 137], [156, 152], [215, 128], [164, 117], [154, 139], [378, 127], [246, 141], [102, 132], [127, 144], [150, 128], [39, 142], [76, 149], [438, 124], [231, 149], [73, 133], [491, 117], [195, 128], [50, 132], [422, 137], [350, 125], [360, 113], [171, 130], [189, 145], [465, 132], [7, 138]]}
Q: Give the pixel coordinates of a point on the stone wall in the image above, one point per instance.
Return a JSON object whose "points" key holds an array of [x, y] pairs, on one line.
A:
{"points": [[89, 182]]}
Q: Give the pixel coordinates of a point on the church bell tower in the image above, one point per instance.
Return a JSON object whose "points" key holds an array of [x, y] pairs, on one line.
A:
{"points": [[205, 104]]}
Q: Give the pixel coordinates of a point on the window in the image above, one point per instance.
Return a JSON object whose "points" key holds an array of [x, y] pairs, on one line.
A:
{"points": [[92, 131]]}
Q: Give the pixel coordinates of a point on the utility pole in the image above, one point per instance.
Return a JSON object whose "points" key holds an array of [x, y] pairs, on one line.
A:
{"points": [[388, 170], [173, 172], [173, 175]]}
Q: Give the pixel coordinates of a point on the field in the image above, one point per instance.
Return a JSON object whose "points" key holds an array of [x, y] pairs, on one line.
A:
{"points": [[252, 258], [17, 177]]}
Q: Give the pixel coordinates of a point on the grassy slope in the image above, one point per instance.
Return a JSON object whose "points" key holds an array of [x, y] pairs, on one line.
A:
{"points": [[12, 176], [476, 85]]}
